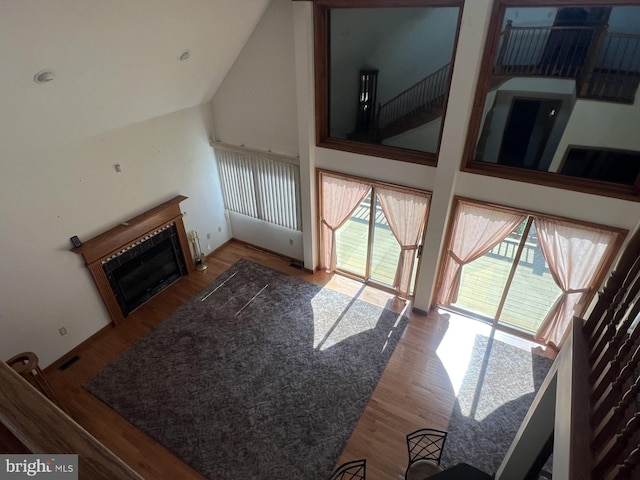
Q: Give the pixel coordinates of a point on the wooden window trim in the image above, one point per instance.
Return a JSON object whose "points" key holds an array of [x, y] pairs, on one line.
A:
{"points": [[321, 67], [549, 179]]}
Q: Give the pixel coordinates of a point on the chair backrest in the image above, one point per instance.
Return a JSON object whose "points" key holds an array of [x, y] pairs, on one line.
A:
{"points": [[355, 470], [427, 444]]}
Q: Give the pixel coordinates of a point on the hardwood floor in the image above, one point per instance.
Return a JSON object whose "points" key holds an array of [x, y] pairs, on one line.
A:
{"points": [[416, 390]]}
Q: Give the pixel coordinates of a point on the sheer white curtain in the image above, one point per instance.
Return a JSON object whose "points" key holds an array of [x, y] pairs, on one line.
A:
{"points": [[406, 214], [575, 255], [340, 197], [476, 230]]}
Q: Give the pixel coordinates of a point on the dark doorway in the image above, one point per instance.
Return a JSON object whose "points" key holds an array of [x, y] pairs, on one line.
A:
{"points": [[528, 128]]}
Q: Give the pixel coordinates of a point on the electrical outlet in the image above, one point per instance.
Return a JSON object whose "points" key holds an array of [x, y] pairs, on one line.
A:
{"points": [[208, 236], [291, 241], [63, 331], [219, 229]]}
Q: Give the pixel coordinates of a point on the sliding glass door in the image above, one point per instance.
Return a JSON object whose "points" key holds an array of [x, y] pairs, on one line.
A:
{"points": [[511, 284], [352, 240], [378, 239], [530, 273], [365, 245]]}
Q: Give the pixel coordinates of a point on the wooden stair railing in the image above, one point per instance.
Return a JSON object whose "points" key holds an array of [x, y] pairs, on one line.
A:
{"points": [[612, 336], [415, 106], [42, 427]]}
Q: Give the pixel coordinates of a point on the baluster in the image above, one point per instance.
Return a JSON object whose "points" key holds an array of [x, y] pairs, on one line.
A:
{"points": [[612, 317], [614, 391], [607, 426], [615, 350], [599, 327], [628, 293], [629, 465], [606, 458]]}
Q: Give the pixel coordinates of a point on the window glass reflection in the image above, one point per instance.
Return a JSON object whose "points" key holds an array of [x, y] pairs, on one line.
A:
{"points": [[565, 78], [389, 74]]}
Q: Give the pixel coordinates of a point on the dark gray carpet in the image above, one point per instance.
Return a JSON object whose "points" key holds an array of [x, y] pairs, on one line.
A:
{"points": [[265, 379], [495, 396]]}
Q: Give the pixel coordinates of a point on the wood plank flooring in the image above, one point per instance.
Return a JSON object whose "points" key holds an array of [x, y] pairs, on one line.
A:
{"points": [[415, 390]]}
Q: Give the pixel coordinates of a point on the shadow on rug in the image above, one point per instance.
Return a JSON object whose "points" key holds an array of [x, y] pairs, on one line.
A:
{"points": [[259, 376], [496, 393]]}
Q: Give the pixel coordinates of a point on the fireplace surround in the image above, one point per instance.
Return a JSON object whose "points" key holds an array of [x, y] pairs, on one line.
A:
{"points": [[135, 260]]}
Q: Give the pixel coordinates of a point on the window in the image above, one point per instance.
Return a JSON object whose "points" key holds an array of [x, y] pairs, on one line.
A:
{"points": [[558, 81], [371, 230], [527, 272], [260, 185], [383, 74]]}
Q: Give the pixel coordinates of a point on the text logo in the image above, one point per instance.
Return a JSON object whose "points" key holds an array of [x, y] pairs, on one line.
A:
{"points": [[50, 467]]}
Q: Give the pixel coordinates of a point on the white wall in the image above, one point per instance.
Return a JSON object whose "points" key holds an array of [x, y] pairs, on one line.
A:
{"points": [[256, 106], [48, 195], [423, 138], [565, 203], [267, 235], [256, 102], [600, 124]]}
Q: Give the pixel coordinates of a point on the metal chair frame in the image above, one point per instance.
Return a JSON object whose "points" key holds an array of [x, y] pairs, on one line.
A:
{"points": [[425, 444], [354, 470]]}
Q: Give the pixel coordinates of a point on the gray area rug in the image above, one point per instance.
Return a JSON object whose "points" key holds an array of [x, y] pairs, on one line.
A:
{"points": [[496, 393], [264, 379]]}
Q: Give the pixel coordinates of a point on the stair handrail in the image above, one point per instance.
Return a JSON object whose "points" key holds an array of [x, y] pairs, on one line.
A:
{"points": [[425, 94], [42, 427]]}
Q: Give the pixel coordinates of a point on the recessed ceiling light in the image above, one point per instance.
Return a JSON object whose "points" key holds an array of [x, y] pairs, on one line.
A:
{"points": [[43, 76], [184, 55]]}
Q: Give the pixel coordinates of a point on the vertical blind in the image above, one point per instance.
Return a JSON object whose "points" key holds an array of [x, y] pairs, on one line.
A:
{"points": [[261, 185]]}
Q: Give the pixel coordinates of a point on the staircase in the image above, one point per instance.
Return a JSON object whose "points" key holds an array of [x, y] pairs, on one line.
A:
{"points": [[415, 106]]}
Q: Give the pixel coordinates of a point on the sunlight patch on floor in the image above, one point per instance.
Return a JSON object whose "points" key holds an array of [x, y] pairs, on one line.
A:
{"points": [[455, 350], [333, 329]]}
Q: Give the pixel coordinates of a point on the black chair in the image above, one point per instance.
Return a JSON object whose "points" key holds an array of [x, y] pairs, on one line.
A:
{"points": [[355, 470], [425, 450]]}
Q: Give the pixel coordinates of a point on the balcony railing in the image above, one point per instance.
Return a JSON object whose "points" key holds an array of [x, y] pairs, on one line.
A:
{"points": [[605, 65]]}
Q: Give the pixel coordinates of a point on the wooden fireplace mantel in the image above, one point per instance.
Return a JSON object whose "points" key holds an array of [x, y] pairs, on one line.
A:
{"points": [[99, 248]]}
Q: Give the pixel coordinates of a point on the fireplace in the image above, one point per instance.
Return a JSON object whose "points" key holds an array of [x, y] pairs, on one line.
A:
{"points": [[145, 269], [135, 260]]}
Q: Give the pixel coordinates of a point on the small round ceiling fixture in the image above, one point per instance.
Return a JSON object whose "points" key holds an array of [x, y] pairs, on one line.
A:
{"points": [[43, 76], [185, 55]]}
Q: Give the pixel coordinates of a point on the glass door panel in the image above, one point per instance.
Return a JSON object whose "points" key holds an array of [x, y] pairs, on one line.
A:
{"points": [[352, 240], [385, 250], [483, 281], [533, 290]]}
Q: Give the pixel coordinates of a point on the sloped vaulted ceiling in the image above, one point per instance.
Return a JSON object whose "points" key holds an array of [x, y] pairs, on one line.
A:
{"points": [[115, 61]]}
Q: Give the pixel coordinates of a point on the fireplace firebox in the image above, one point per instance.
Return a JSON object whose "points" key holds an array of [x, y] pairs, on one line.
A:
{"points": [[137, 259], [144, 270]]}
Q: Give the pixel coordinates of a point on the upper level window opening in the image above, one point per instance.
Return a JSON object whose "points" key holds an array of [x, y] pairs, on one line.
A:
{"points": [[557, 80], [383, 75]]}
